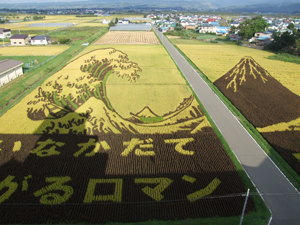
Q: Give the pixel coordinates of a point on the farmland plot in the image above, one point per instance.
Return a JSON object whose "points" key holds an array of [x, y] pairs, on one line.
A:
{"points": [[33, 50], [128, 37], [93, 144]]}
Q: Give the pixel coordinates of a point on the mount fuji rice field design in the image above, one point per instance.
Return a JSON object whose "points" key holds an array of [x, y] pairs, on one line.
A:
{"points": [[272, 108]]}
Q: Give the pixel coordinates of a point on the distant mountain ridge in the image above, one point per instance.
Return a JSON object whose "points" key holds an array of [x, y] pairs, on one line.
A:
{"points": [[277, 6]]}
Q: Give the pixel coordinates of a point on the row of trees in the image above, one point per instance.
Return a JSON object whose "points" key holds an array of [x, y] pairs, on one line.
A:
{"points": [[288, 41]]}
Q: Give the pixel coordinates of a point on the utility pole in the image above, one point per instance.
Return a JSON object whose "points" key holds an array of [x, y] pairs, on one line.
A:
{"points": [[244, 207]]}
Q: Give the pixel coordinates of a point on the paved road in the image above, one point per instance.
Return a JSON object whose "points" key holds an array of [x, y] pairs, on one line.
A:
{"points": [[279, 194]]}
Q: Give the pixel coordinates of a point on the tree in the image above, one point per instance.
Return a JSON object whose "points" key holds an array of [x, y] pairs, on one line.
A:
{"points": [[286, 42], [38, 17], [64, 41], [113, 22], [291, 26], [178, 27], [249, 27]]}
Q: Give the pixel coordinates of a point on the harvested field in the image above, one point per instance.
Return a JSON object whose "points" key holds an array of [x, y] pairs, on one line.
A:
{"points": [[33, 50], [128, 37], [91, 25], [267, 104], [68, 150]]}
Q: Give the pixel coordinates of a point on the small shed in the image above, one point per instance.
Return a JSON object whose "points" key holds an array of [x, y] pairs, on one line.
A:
{"points": [[9, 70], [40, 40], [19, 40]]}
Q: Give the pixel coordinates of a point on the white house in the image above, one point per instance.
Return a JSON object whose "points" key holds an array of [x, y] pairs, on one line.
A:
{"points": [[105, 21], [5, 33], [40, 40], [207, 28], [123, 21], [9, 70], [19, 40]]}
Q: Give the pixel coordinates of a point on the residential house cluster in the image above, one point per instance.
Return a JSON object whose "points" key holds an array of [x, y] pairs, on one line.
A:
{"points": [[25, 39], [274, 25], [215, 24], [281, 24], [201, 23]]}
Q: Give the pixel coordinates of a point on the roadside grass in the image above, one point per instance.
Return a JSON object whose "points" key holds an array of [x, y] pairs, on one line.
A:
{"points": [[285, 58], [262, 214], [30, 62], [14, 91], [73, 33], [248, 220], [272, 153]]}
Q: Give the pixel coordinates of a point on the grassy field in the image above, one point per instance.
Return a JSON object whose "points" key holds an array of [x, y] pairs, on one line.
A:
{"points": [[216, 59], [132, 95], [30, 62], [285, 58], [73, 33], [33, 50]]}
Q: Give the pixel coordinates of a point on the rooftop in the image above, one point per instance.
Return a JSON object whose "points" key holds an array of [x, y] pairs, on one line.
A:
{"points": [[131, 27], [19, 36], [41, 37], [8, 64]]}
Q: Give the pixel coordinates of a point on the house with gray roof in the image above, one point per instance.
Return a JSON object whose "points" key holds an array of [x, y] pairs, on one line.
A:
{"points": [[40, 40], [9, 70], [19, 40]]}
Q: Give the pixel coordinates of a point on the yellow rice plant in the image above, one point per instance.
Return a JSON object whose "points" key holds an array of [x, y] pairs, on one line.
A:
{"points": [[33, 50], [217, 59]]}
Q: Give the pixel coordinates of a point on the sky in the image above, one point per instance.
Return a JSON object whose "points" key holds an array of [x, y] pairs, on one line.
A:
{"points": [[38, 1], [222, 2]]}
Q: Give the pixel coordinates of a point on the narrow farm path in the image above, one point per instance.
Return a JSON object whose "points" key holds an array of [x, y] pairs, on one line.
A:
{"points": [[279, 194]]}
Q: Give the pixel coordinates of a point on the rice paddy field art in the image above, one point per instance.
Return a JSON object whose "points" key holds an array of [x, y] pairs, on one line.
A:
{"points": [[104, 140]]}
